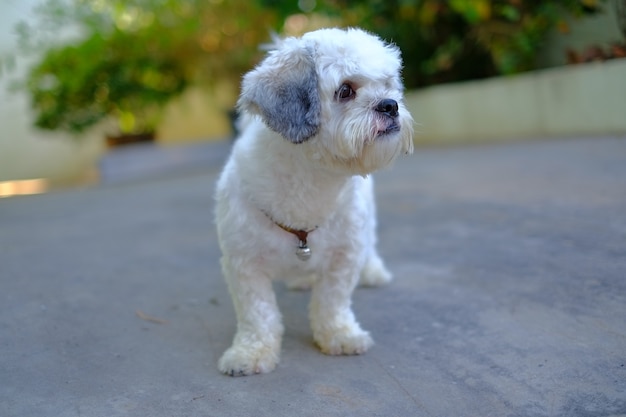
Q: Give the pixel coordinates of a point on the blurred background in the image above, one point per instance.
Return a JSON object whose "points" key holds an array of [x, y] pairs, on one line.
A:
{"points": [[84, 80]]}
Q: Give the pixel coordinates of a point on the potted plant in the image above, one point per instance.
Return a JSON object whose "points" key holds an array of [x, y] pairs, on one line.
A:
{"points": [[76, 86], [131, 58]]}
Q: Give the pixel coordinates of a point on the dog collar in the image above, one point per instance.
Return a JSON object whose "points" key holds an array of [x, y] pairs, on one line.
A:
{"points": [[303, 252]]}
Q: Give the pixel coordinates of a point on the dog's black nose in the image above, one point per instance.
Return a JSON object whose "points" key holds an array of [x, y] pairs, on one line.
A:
{"points": [[387, 106]]}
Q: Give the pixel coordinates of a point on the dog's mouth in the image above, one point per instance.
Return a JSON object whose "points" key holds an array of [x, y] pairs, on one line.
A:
{"points": [[393, 127]]}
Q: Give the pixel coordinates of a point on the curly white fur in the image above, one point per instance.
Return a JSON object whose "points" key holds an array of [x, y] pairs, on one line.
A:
{"points": [[303, 162]]}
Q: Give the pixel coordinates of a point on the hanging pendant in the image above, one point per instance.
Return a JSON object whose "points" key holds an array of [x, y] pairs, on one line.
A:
{"points": [[303, 252]]}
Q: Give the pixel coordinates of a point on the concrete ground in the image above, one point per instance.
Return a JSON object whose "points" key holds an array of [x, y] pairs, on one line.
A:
{"points": [[509, 297]]}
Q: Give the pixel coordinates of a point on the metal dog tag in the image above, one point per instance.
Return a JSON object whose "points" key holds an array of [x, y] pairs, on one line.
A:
{"points": [[303, 252]]}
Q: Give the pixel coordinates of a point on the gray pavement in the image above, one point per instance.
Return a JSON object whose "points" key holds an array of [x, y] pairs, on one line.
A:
{"points": [[509, 297]]}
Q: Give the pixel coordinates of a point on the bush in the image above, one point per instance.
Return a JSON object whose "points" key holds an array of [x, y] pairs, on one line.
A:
{"points": [[132, 57], [76, 86], [457, 40]]}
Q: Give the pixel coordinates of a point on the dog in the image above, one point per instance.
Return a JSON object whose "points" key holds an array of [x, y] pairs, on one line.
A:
{"points": [[295, 200]]}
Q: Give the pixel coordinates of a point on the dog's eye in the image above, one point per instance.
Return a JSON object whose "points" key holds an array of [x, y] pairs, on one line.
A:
{"points": [[345, 92]]}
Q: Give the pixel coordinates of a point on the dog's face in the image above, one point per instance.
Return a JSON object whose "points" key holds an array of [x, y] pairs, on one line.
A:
{"points": [[340, 92]]}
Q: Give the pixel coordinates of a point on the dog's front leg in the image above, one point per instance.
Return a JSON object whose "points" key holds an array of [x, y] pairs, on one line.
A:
{"points": [[334, 326], [256, 346]]}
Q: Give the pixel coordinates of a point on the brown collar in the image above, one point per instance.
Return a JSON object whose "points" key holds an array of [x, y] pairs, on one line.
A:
{"points": [[303, 252], [300, 234]]}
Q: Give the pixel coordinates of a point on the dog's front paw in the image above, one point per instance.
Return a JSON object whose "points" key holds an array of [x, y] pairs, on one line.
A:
{"points": [[244, 360], [344, 341]]}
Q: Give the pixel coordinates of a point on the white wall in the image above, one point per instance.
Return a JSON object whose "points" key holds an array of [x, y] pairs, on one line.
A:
{"points": [[26, 152], [586, 99]]}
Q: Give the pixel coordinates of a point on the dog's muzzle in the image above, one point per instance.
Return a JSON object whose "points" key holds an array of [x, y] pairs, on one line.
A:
{"points": [[388, 108]]}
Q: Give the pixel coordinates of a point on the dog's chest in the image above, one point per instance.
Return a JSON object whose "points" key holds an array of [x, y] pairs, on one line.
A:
{"points": [[333, 240]]}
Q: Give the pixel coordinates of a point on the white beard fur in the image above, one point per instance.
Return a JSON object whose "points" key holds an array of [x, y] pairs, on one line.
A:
{"points": [[318, 184]]}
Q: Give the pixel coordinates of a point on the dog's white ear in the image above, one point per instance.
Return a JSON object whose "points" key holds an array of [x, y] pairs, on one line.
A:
{"points": [[283, 90], [407, 141]]}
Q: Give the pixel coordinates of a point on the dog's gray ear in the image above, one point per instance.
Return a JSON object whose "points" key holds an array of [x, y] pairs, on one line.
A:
{"points": [[283, 90]]}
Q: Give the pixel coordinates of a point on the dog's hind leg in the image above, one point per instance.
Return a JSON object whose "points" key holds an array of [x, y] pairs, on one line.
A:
{"points": [[301, 282], [374, 273]]}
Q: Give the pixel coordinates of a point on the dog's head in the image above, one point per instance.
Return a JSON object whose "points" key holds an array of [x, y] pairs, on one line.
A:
{"points": [[338, 90]]}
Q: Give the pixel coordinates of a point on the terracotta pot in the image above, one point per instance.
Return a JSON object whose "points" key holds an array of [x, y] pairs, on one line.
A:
{"points": [[127, 139]]}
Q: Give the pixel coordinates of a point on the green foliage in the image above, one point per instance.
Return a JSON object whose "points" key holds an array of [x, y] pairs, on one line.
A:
{"points": [[457, 40], [131, 57], [127, 58], [76, 86]]}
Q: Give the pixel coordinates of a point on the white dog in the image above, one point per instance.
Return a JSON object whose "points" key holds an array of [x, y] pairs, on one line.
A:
{"points": [[294, 200]]}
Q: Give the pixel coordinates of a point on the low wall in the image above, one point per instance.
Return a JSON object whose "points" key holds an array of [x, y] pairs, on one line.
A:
{"points": [[588, 99]]}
